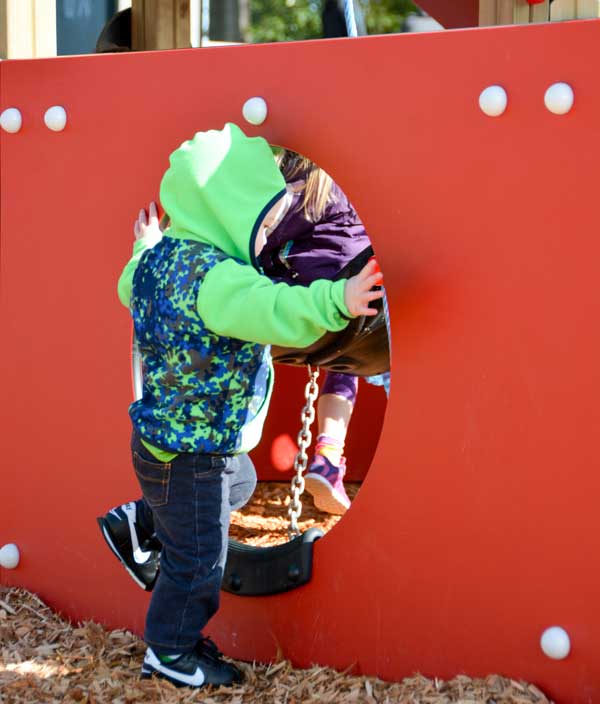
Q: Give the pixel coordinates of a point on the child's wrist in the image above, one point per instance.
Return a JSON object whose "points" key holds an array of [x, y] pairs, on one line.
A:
{"points": [[147, 241], [340, 300]]}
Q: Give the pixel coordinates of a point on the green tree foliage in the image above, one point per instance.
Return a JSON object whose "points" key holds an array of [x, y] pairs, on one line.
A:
{"points": [[289, 20], [386, 16], [284, 20]]}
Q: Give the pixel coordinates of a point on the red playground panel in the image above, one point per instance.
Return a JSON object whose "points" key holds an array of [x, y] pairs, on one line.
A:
{"points": [[477, 526]]}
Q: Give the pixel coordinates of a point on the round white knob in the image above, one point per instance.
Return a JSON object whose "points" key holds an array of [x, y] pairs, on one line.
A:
{"points": [[11, 120], [9, 556], [255, 111], [55, 118], [555, 643], [493, 101], [559, 98]]}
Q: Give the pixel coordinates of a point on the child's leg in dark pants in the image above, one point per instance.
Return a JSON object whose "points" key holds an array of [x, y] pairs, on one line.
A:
{"points": [[190, 499], [144, 518], [242, 488]]}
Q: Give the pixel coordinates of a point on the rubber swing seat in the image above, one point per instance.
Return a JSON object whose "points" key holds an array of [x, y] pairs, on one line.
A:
{"points": [[361, 349], [256, 571]]}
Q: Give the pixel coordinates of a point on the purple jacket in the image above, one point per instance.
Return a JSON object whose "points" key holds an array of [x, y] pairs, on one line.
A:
{"points": [[299, 251]]}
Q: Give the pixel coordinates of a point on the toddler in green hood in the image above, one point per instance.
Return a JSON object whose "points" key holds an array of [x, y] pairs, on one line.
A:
{"points": [[219, 187], [204, 317]]}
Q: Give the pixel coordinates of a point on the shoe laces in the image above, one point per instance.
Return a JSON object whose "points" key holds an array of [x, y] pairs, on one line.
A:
{"points": [[207, 647], [331, 452], [323, 465]]}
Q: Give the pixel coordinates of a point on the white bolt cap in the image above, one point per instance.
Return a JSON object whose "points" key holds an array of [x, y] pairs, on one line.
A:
{"points": [[55, 118], [9, 556], [555, 643], [255, 111], [493, 101], [11, 120], [559, 98]]}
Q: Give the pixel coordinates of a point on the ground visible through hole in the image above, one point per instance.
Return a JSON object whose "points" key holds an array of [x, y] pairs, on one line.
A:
{"points": [[264, 519]]}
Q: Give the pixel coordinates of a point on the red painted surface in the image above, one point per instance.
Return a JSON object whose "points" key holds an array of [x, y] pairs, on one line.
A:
{"points": [[477, 526], [274, 455], [459, 13]]}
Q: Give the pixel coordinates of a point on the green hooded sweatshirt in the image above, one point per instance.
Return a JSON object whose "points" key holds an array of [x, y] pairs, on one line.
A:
{"points": [[203, 312]]}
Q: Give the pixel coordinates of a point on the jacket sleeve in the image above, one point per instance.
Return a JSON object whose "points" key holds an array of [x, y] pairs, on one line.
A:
{"points": [[126, 279], [234, 300]]}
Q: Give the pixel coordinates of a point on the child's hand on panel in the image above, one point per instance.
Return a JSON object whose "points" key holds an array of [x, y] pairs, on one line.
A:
{"points": [[147, 227], [358, 293]]}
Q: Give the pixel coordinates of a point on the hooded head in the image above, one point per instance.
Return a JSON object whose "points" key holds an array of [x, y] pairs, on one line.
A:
{"points": [[218, 189]]}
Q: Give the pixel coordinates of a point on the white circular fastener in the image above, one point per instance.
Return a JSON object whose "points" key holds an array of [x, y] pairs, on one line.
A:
{"points": [[55, 118], [9, 556], [555, 643], [11, 120], [493, 101], [255, 111], [559, 98]]}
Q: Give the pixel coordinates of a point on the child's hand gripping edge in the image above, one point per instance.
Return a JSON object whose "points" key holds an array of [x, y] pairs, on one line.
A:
{"points": [[358, 293], [147, 228]]}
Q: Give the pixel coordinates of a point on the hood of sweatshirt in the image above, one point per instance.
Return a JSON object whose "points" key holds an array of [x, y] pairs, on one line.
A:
{"points": [[218, 188]]}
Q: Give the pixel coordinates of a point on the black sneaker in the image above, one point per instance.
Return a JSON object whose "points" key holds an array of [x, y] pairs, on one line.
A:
{"points": [[204, 665], [206, 649], [133, 550]]}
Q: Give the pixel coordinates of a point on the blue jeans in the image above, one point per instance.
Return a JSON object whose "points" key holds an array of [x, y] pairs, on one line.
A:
{"points": [[188, 502]]}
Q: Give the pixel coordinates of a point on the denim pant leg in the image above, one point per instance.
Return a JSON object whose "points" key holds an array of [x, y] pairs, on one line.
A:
{"points": [[242, 487], [144, 517], [190, 502]]}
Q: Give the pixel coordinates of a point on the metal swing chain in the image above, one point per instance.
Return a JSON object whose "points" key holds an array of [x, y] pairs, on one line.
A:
{"points": [[307, 416]]}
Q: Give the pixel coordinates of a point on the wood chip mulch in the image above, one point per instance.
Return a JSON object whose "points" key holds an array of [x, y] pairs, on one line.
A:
{"points": [[45, 659], [264, 521]]}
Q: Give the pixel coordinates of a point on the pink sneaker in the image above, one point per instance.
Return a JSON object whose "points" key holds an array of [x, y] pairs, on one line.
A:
{"points": [[325, 482]]}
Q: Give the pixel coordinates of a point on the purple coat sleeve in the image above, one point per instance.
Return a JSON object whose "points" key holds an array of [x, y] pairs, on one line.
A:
{"points": [[298, 251]]}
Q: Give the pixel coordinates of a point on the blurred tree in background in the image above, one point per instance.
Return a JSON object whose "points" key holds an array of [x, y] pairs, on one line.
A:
{"points": [[289, 20], [284, 20], [386, 16]]}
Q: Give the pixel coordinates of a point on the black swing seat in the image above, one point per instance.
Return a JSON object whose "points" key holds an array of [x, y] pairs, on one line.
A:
{"points": [[256, 571], [361, 349]]}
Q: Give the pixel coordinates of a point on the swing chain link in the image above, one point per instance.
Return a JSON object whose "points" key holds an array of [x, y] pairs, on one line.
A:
{"points": [[307, 416]]}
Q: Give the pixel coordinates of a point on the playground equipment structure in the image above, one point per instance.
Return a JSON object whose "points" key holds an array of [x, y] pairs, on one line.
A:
{"points": [[476, 529]]}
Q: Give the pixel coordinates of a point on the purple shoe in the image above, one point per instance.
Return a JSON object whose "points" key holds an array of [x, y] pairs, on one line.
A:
{"points": [[325, 482]]}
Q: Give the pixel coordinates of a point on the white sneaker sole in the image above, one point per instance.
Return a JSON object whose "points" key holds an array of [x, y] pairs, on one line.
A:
{"points": [[326, 498]]}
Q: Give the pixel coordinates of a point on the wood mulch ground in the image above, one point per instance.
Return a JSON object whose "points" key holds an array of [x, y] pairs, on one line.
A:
{"points": [[264, 519], [45, 659]]}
